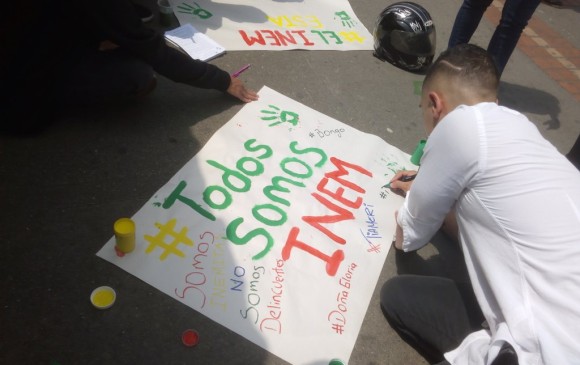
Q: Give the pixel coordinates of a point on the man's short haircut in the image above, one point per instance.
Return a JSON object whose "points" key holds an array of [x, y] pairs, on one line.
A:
{"points": [[468, 65]]}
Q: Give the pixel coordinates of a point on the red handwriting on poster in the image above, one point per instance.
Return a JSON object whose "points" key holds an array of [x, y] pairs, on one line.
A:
{"points": [[337, 317], [271, 321], [196, 279], [208, 262], [342, 213], [301, 37], [276, 38]]}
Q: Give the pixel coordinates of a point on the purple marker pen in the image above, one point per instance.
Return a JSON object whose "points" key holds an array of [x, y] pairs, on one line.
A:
{"points": [[239, 72]]}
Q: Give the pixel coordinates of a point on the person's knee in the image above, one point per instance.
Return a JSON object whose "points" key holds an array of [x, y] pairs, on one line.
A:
{"points": [[133, 77], [18, 118], [477, 4], [105, 76], [512, 26], [392, 296], [144, 78]]}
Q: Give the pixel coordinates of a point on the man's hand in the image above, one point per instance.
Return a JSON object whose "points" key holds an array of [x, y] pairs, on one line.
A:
{"points": [[402, 187], [107, 46], [238, 90]]}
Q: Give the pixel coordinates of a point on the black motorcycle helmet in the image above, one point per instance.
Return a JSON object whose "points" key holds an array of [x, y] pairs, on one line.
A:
{"points": [[405, 36]]}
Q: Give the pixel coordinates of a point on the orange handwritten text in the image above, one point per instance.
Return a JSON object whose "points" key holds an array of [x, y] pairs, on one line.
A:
{"points": [[337, 317], [195, 280], [274, 308]]}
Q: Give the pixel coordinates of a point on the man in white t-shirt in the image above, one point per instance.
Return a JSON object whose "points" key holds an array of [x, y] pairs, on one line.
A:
{"points": [[516, 201]]}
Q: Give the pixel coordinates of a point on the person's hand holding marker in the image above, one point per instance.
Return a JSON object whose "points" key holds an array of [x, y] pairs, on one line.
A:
{"points": [[239, 90], [401, 184], [402, 181]]}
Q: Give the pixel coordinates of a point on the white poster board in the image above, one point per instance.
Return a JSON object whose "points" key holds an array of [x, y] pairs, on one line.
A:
{"points": [[276, 25], [277, 229]]}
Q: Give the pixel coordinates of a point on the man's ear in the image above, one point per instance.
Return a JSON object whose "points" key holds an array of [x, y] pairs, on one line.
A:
{"points": [[436, 105]]}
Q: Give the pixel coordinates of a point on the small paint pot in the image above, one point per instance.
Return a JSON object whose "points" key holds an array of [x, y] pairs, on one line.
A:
{"points": [[190, 337], [103, 297], [124, 229]]}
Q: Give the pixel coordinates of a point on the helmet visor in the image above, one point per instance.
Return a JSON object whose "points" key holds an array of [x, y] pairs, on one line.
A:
{"points": [[417, 44]]}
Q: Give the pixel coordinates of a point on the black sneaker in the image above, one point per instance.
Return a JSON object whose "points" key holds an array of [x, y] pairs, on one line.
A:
{"points": [[507, 356], [145, 14]]}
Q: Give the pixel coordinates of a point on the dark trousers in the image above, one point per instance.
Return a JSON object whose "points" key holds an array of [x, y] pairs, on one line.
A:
{"points": [[85, 77], [432, 314], [102, 76], [574, 153], [514, 18]]}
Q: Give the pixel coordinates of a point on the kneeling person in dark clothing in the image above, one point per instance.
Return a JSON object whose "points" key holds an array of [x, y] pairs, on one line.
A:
{"points": [[65, 53]]}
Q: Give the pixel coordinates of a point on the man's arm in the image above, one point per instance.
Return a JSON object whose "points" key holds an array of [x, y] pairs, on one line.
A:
{"points": [[449, 227], [450, 162], [398, 234]]}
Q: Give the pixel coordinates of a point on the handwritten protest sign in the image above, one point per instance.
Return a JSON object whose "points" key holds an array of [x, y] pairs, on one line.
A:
{"points": [[277, 229], [277, 24]]}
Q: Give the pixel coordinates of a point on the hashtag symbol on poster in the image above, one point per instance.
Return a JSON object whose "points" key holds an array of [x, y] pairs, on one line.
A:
{"points": [[338, 328], [345, 19], [374, 248], [165, 230]]}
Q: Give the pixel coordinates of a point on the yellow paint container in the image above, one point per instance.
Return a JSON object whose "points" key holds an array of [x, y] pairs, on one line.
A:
{"points": [[103, 297], [124, 234]]}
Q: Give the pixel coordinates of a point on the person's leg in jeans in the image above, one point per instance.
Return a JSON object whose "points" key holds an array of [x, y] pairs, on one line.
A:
{"points": [[467, 21], [432, 314], [514, 18]]}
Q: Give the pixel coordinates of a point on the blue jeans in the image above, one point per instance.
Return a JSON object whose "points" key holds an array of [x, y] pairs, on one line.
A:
{"points": [[514, 18]]}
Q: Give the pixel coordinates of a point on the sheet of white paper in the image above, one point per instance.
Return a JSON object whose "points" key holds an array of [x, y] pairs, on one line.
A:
{"points": [[277, 25], [277, 229], [197, 45]]}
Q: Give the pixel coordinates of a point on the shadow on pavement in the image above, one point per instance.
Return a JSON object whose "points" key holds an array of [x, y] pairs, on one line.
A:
{"points": [[447, 261], [525, 99]]}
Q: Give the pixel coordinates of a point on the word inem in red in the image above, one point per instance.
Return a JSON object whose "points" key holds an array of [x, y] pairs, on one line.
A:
{"points": [[340, 206]]}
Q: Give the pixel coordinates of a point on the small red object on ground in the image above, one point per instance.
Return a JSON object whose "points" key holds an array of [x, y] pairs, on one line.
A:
{"points": [[190, 338]]}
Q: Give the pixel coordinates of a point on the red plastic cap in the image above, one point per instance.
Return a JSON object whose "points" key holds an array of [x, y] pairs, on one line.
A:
{"points": [[190, 338]]}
